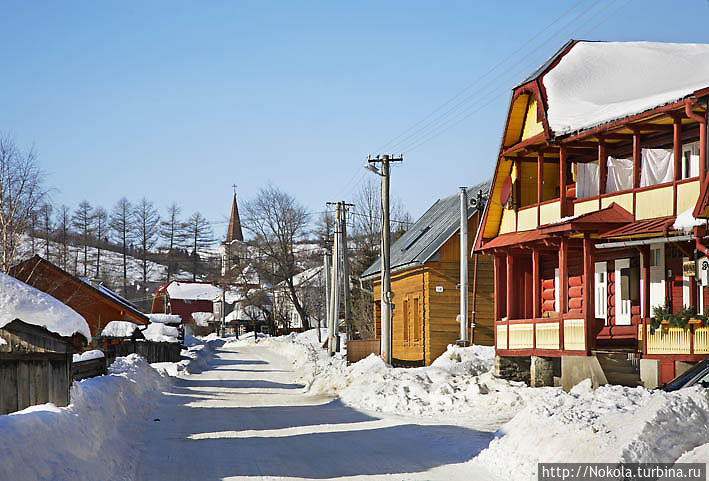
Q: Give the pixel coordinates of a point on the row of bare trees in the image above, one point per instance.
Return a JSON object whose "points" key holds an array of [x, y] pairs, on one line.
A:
{"points": [[77, 240]]}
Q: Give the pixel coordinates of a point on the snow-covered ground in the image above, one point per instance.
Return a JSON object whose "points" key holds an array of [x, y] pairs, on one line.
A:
{"points": [[610, 424]]}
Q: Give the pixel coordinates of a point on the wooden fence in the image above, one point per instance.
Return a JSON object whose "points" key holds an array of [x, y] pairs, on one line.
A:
{"points": [[31, 378], [151, 351], [90, 368], [359, 349]]}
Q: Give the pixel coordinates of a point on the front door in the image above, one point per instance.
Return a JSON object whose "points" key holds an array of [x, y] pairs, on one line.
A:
{"points": [[622, 292], [601, 291]]}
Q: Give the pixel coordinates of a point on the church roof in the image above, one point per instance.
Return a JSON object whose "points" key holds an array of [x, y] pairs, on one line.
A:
{"points": [[234, 231]]}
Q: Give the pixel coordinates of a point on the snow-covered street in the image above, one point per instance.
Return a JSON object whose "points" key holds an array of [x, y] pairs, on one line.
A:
{"points": [[246, 417]]}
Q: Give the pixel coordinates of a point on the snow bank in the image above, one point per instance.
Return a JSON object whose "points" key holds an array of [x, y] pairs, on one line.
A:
{"points": [[21, 301], [458, 382], [160, 333], [87, 355], [93, 438], [597, 82], [194, 359], [195, 291], [165, 318], [611, 424], [119, 329], [686, 221]]}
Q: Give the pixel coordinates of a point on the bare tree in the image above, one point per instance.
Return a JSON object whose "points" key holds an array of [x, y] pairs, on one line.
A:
{"points": [[278, 222], [121, 225], [101, 228], [45, 213], [147, 227], [83, 223], [21, 192], [172, 232], [63, 226], [199, 233]]}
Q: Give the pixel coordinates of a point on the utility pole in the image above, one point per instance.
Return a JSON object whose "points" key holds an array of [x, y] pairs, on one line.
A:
{"points": [[386, 295], [334, 287], [463, 266], [326, 270], [346, 269]]}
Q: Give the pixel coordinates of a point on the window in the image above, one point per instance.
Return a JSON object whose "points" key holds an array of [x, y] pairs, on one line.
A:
{"points": [[406, 320], [690, 160], [417, 320]]}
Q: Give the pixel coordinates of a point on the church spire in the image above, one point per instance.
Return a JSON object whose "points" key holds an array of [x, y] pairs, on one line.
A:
{"points": [[234, 232]]}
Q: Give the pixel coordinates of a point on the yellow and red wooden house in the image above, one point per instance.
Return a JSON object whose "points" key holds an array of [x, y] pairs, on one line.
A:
{"points": [[604, 148]]}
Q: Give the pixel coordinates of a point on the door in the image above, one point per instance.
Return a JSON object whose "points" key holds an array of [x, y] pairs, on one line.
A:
{"points": [[658, 292], [622, 292], [601, 291]]}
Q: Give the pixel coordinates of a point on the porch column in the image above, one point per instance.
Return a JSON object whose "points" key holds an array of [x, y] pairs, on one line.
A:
{"points": [[540, 180], [702, 120], [677, 146], [636, 159], [589, 305], [499, 287], [562, 181], [536, 286], [645, 311], [511, 311], [563, 276], [602, 166]]}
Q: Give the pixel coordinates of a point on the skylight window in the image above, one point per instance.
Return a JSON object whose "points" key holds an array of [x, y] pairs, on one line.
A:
{"points": [[415, 238]]}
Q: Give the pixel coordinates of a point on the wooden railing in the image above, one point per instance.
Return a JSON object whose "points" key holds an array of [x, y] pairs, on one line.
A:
{"points": [[540, 334], [693, 340]]}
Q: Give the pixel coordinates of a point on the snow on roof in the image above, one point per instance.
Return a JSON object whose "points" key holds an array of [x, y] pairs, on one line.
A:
{"points": [[193, 291], [202, 318], [165, 318], [156, 332], [119, 329], [304, 277], [246, 313], [599, 82], [21, 301]]}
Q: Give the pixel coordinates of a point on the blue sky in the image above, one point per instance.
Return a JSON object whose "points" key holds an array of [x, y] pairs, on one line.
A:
{"points": [[177, 101]]}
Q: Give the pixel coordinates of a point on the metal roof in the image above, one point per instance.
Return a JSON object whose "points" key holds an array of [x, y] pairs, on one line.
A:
{"points": [[429, 233]]}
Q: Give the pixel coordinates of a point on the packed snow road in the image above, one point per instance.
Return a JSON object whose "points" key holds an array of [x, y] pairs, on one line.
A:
{"points": [[245, 418]]}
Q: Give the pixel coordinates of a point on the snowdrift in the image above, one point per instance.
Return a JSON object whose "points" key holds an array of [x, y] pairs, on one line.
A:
{"points": [[610, 424], [92, 438]]}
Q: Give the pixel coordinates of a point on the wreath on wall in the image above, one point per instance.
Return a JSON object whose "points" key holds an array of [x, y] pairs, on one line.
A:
{"points": [[679, 319]]}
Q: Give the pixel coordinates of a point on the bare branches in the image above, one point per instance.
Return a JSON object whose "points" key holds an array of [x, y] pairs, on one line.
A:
{"points": [[21, 192]]}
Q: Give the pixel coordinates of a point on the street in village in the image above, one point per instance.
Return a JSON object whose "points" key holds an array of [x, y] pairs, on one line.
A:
{"points": [[246, 418]]}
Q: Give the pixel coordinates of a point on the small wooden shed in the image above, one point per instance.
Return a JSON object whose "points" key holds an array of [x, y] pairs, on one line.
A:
{"points": [[425, 276], [35, 366]]}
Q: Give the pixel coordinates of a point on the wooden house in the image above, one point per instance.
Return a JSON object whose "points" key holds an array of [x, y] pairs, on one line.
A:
{"points": [[93, 301], [425, 276], [591, 218], [184, 298]]}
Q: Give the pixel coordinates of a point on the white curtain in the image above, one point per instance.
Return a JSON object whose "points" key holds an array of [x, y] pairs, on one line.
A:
{"points": [[657, 167], [586, 180], [620, 175]]}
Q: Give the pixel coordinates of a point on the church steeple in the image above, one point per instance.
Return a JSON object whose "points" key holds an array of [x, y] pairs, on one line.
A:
{"points": [[234, 231]]}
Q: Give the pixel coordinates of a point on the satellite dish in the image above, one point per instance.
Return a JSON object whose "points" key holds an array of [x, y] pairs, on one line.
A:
{"points": [[506, 191]]}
